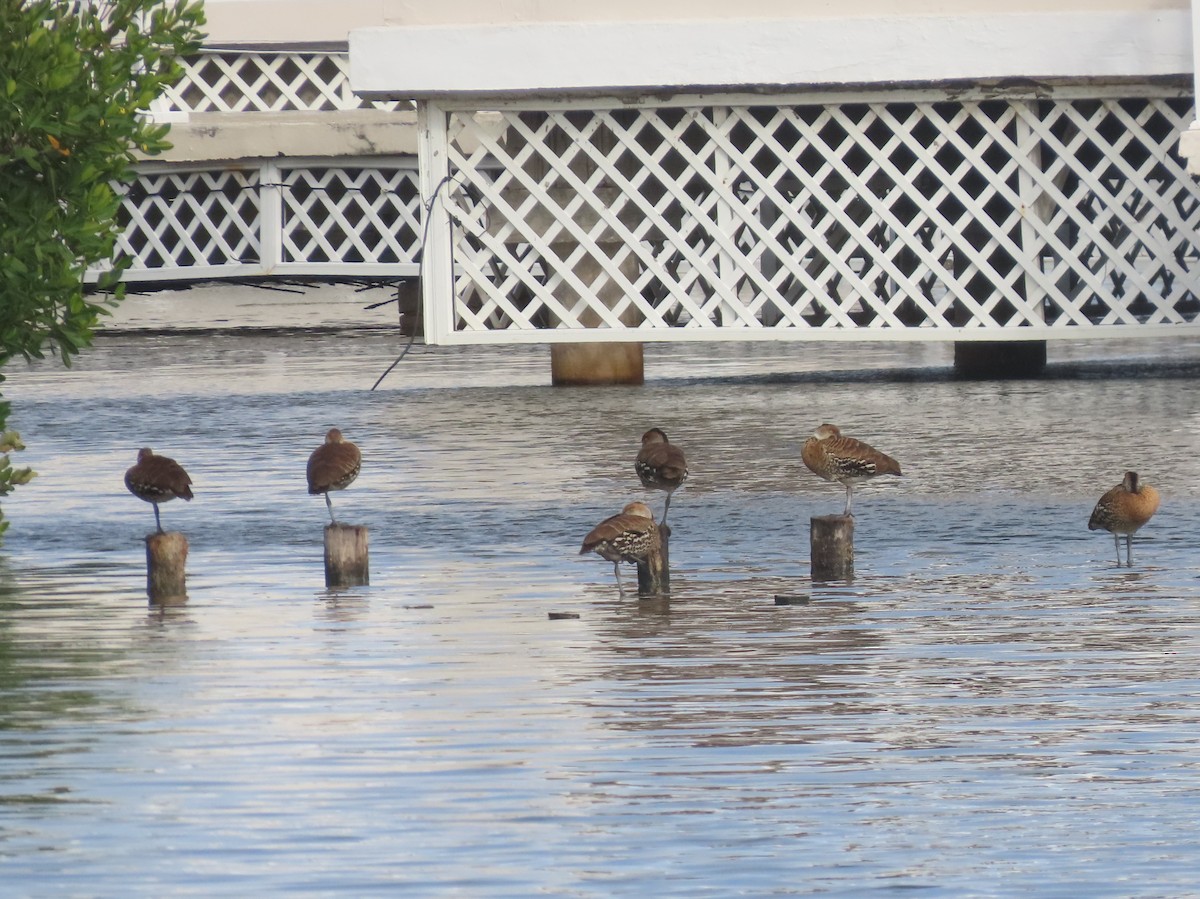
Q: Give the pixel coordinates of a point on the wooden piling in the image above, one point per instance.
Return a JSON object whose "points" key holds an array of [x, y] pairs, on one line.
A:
{"points": [[654, 574], [166, 564], [994, 360], [832, 547], [408, 302], [582, 364], [346, 556]]}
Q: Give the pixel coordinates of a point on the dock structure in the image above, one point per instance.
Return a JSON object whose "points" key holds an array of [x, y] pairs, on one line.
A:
{"points": [[563, 175]]}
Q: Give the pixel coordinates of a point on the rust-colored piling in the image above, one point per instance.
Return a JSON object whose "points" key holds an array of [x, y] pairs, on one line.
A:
{"points": [[578, 364], [654, 573], [832, 547], [166, 564], [347, 562]]}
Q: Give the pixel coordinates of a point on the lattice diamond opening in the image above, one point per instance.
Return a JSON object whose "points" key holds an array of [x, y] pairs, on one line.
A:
{"points": [[906, 213]]}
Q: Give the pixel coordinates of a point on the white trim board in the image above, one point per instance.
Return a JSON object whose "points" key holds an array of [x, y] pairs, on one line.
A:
{"points": [[567, 57]]}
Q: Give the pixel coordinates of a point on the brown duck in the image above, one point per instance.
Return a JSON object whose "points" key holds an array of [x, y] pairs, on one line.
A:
{"points": [[660, 465], [333, 466], [1124, 509], [627, 537], [845, 460], [157, 479]]}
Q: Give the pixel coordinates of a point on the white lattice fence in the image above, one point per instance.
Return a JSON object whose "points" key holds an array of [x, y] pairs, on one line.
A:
{"points": [[305, 218], [905, 216], [351, 218], [217, 81]]}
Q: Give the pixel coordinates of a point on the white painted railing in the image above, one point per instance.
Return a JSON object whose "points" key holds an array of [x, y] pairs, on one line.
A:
{"points": [[296, 218], [905, 214]]}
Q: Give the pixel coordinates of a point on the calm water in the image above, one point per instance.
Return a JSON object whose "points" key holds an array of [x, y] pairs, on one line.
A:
{"points": [[992, 707]]}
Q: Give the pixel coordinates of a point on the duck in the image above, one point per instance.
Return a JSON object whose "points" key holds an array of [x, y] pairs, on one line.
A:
{"points": [[844, 459], [625, 537], [1124, 509], [158, 479], [660, 465], [333, 466]]}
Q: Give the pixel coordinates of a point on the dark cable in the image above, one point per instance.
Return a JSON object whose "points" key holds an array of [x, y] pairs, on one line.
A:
{"points": [[420, 280]]}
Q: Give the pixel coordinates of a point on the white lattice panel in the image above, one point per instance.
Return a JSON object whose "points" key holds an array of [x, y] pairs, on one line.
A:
{"points": [[266, 82], [306, 218], [202, 223], [351, 216], [908, 216]]}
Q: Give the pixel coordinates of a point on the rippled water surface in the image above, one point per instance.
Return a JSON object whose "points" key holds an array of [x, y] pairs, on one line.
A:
{"points": [[992, 706]]}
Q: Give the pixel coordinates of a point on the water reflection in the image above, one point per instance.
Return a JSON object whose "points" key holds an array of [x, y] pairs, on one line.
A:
{"points": [[992, 706]]}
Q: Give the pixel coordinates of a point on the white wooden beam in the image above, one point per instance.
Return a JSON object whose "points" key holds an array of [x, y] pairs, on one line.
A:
{"points": [[575, 57], [437, 274]]}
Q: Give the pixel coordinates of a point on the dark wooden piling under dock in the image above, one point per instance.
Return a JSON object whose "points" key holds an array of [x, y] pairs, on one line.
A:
{"points": [[988, 360]]}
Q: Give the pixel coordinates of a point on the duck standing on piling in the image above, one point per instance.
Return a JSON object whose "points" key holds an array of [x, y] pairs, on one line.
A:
{"points": [[660, 465], [333, 466], [627, 537], [157, 479], [845, 460], [1124, 509]]}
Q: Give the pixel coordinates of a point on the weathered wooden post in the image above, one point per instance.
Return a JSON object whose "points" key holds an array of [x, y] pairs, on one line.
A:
{"points": [[408, 302], [166, 563], [832, 547], [654, 573], [347, 562]]}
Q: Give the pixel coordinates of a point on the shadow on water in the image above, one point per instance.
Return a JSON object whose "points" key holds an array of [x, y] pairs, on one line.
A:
{"points": [[1113, 370]]}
